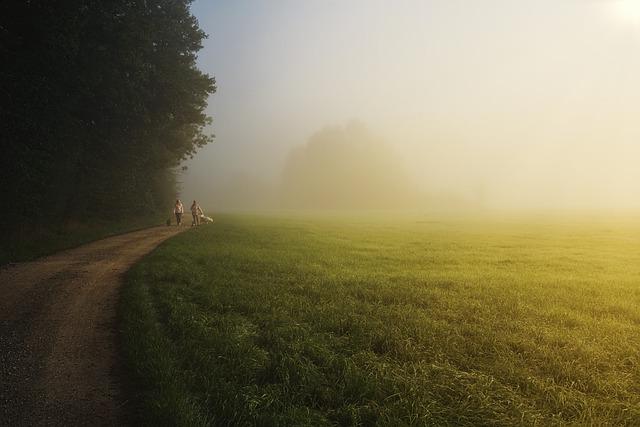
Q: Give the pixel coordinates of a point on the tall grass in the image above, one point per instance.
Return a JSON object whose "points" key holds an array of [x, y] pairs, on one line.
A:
{"points": [[411, 321]]}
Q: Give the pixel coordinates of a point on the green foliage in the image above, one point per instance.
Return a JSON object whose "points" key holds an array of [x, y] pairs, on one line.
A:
{"points": [[404, 321], [100, 101]]}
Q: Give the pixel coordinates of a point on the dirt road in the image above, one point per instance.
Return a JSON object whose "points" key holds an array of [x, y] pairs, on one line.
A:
{"points": [[59, 362]]}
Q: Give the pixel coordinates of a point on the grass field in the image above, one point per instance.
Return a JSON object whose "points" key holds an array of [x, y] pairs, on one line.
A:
{"points": [[267, 320]]}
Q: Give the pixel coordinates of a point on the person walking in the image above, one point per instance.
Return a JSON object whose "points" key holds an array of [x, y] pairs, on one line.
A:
{"points": [[178, 210], [195, 213]]}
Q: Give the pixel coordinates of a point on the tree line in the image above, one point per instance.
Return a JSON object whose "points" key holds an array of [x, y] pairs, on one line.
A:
{"points": [[100, 102]]}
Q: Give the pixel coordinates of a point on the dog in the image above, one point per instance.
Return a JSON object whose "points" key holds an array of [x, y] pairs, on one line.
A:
{"points": [[205, 219]]}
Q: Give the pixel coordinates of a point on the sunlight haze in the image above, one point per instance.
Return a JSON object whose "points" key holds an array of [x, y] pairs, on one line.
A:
{"points": [[492, 104]]}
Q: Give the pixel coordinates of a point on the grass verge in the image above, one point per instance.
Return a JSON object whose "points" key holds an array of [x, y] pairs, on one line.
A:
{"points": [[35, 242]]}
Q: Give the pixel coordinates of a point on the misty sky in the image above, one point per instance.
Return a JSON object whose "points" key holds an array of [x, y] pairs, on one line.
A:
{"points": [[532, 104]]}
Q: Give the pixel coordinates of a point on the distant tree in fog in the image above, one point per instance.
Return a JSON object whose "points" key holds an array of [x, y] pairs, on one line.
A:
{"points": [[345, 168]]}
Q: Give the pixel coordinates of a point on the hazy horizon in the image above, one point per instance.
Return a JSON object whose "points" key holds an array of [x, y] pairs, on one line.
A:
{"points": [[498, 105]]}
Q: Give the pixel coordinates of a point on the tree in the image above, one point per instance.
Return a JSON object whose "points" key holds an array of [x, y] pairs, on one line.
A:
{"points": [[345, 168], [99, 102]]}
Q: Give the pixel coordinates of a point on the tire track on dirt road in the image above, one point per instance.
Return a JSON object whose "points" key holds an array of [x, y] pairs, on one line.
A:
{"points": [[59, 363]]}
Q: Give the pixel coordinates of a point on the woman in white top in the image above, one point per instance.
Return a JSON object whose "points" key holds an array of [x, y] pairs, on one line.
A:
{"points": [[178, 210]]}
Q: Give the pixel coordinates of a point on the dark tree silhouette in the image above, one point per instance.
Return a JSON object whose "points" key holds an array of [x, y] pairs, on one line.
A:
{"points": [[99, 102]]}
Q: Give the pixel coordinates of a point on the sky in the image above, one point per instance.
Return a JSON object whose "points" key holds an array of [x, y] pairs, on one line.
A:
{"points": [[493, 103]]}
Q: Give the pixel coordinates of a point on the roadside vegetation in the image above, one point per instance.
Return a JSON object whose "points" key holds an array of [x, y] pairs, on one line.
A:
{"points": [[38, 241], [265, 320]]}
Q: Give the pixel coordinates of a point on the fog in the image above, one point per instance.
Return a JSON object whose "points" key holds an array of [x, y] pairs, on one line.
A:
{"points": [[413, 104], [345, 168]]}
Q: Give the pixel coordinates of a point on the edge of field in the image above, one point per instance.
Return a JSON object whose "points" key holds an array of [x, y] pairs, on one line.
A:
{"points": [[152, 385], [40, 242]]}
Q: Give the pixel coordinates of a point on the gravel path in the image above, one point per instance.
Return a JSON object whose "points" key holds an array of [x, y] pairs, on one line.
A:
{"points": [[59, 362]]}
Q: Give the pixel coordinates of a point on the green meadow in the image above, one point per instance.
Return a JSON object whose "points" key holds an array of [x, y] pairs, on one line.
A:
{"points": [[380, 321]]}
